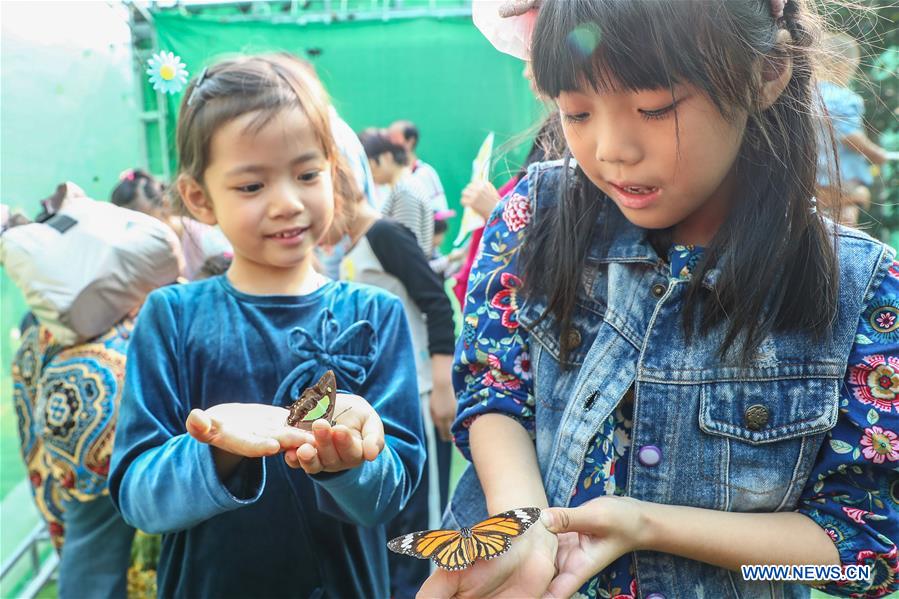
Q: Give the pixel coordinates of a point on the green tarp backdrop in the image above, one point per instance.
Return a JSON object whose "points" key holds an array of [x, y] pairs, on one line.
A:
{"points": [[73, 111], [441, 74]]}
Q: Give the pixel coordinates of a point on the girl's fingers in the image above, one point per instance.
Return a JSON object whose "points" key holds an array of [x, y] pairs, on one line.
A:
{"points": [[292, 460], [251, 446], [199, 425], [579, 519], [291, 437], [308, 459], [348, 447], [372, 436], [324, 443]]}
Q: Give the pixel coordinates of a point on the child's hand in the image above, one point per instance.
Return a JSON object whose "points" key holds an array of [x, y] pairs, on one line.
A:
{"points": [[481, 197], [244, 429], [525, 571], [443, 410], [591, 537], [358, 435]]}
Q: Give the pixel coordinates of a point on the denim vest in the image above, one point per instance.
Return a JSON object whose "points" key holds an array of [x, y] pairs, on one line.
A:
{"points": [[707, 432]]}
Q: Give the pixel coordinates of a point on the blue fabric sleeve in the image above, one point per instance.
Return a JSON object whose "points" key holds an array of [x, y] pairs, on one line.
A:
{"points": [[161, 479], [492, 368], [853, 490], [846, 109], [377, 491]]}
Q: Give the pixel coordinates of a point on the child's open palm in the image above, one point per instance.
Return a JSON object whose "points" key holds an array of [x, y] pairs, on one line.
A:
{"points": [[357, 436], [245, 429]]}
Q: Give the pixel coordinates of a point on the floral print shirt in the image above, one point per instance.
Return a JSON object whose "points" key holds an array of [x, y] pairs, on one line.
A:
{"points": [[853, 489]]}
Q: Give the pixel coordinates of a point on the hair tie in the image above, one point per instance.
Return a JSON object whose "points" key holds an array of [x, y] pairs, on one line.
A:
{"points": [[127, 175]]}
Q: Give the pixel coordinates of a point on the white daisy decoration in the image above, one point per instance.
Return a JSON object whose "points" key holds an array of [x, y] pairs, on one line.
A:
{"points": [[167, 73]]}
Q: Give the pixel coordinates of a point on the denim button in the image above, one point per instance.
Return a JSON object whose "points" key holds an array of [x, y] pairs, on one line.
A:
{"points": [[658, 290], [655, 596], [756, 417], [649, 455], [572, 339]]}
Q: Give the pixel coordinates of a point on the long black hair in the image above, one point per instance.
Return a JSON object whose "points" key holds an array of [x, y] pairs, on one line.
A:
{"points": [[776, 255]]}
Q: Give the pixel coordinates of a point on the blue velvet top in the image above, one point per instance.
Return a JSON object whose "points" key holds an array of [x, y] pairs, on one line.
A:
{"points": [[267, 531]]}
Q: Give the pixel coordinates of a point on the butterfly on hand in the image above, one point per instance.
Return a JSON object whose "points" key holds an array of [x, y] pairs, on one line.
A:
{"points": [[458, 549], [315, 403]]}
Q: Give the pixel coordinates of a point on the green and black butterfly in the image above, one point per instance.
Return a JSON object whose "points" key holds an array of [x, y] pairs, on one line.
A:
{"points": [[315, 403]]}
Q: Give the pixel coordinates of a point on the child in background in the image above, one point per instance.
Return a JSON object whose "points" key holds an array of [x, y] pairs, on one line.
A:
{"points": [[406, 202], [66, 400], [444, 265], [138, 190], [248, 506], [663, 340], [385, 254], [846, 187], [405, 134]]}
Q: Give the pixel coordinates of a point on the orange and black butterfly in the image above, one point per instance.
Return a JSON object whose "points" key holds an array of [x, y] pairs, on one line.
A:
{"points": [[458, 549]]}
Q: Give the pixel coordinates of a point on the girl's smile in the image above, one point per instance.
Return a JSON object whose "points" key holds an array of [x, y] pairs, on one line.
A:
{"points": [[290, 237]]}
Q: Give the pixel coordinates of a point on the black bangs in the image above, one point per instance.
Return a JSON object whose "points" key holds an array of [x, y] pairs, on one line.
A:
{"points": [[634, 45]]}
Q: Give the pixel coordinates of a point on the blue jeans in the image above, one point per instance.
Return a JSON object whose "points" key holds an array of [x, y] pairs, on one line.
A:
{"points": [[96, 552]]}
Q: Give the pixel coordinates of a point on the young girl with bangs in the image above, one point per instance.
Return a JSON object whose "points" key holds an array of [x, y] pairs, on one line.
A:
{"points": [[213, 365], [664, 342]]}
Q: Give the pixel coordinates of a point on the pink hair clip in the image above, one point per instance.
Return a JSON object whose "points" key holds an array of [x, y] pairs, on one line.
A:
{"points": [[127, 175], [777, 8]]}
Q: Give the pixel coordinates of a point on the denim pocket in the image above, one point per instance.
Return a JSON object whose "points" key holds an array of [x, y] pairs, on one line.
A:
{"points": [[765, 411], [764, 436]]}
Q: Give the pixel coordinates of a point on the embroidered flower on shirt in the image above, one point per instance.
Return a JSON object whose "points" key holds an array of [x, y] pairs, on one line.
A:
{"points": [[499, 380], [350, 353], [517, 212], [507, 300], [522, 366], [876, 382], [885, 566], [880, 445], [855, 514], [882, 320]]}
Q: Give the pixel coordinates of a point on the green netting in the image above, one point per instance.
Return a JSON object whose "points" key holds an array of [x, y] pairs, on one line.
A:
{"points": [[440, 73]]}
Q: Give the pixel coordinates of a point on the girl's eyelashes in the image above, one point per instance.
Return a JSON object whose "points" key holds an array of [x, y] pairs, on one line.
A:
{"points": [[576, 118], [251, 188], [658, 113], [310, 176]]}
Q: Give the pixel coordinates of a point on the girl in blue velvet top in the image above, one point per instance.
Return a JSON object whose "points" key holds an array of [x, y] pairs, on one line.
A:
{"points": [[248, 506], [664, 342]]}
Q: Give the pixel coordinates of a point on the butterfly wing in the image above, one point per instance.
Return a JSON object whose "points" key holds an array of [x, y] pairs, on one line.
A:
{"points": [[493, 537], [423, 544], [315, 402], [451, 550], [458, 554]]}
